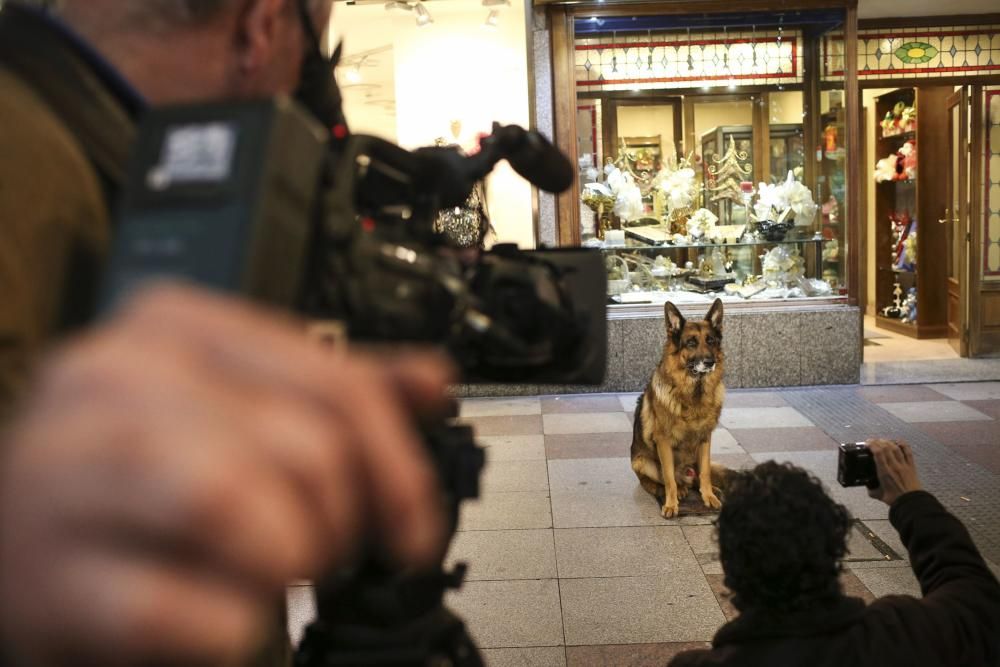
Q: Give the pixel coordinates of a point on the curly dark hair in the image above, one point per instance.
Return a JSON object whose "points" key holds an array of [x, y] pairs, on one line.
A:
{"points": [[781, 539]]}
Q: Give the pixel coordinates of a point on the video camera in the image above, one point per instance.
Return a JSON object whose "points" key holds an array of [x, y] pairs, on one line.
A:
{"points": [[260, 200]]}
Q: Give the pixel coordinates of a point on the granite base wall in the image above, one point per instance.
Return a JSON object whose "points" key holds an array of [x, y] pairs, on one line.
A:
{"points": [[783, 347]]}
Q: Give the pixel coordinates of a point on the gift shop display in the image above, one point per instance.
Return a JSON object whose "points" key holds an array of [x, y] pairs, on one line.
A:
{"points": [[911, 286]]}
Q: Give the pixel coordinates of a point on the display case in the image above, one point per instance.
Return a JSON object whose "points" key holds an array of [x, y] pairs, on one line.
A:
{"points": [[735, 270], [911, 287], [832, 193]]}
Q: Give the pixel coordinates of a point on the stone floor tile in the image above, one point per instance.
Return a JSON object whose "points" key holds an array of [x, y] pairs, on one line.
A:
{"points": [[499, 407], [888, 581], [515, 476], [607, 476], [701, 539], [990, 407], [587, 445], [723, 595], [952, 434], [824, 466], [637, 551], [710, 564], [785, 417], [754, 399], [578, 404], [885, 532], [628, 655], [987, 456], [505, 554], [794, 439], [734, 461], [507, 511], [629, 401], [510, 614], [512, 447], [969, 391], [548, 656], [934, 411], [723, 442], [587, 509], [301, 606], [931, 372], [511, 425], [595, 422], [853, 587], [906, 393], [859, 547], [660, 609]]}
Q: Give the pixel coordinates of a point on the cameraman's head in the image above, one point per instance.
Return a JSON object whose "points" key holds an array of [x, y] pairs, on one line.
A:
{"points": [[177, 51], [781, 539]]}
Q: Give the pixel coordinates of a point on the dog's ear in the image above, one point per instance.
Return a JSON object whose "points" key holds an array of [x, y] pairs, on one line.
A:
{"points": [[675, 321], [714, 316]]}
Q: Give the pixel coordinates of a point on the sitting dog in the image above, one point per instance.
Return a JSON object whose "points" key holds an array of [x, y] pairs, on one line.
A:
{"points": [[676, 414]]}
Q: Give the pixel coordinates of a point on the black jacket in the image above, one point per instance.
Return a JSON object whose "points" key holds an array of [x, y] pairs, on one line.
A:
{"points": [[957, 623]]}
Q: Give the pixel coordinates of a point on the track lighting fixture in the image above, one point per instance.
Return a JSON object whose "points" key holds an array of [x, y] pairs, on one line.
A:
{"points": [[423, 16], [493, 20]]}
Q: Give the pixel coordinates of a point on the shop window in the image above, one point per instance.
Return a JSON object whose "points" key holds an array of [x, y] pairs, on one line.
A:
{"points": [[712, 160]]}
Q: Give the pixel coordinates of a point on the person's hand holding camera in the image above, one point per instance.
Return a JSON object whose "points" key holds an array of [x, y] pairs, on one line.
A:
{"points": [[179, 465], [897, 471]]}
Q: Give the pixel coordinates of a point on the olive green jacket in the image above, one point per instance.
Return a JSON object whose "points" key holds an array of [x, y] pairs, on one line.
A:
{"points": [[65, 136], [54, 220]]}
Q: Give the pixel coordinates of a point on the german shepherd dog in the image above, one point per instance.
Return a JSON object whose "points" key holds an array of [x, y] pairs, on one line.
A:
{"points": [[676, 414]]}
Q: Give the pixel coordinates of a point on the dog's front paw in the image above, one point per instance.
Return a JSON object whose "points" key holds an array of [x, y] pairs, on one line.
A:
{"points": [[682, 492], [670, 510], [711, 500]]}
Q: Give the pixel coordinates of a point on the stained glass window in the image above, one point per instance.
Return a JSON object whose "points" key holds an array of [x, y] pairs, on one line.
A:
{"points": [[659, 60], [912, 53], [991, 172]]}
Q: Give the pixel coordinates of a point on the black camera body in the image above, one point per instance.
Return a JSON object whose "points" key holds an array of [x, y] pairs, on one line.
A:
{"points": [[259, 200], [856, 465]]}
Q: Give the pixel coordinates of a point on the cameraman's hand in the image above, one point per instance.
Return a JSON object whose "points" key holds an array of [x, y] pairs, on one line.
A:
{"points": [[897, 472], [179, 465]]}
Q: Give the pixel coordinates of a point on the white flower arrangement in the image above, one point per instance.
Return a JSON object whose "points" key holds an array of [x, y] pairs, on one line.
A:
{"points": [[774, 200], [701, 222], [621, 186], [680, 187]]}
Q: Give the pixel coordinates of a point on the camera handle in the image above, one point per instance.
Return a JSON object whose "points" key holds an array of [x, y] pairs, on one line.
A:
{"points": [[377, 615]]}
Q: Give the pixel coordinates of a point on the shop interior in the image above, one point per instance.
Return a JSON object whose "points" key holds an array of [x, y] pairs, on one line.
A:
{"points": [[712, 157]]}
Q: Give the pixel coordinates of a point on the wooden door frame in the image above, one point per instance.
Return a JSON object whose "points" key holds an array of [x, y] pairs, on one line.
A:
{"points": [[610, 103], [961, 99], [977, 125]]}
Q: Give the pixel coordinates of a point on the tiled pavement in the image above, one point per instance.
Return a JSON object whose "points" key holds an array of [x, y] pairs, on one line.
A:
{"points": [[571, 564]]}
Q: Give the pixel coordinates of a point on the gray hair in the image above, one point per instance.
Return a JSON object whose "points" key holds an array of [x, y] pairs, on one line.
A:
{"points": [[176, 12], [157, 16]]}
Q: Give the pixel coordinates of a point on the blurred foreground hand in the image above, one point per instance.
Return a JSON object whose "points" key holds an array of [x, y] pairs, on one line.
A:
{"points": [[181, 463]]}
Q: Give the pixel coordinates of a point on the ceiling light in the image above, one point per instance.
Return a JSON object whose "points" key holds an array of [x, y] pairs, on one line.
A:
{"points": [[353, 75], [423, 16], [493, 20]]}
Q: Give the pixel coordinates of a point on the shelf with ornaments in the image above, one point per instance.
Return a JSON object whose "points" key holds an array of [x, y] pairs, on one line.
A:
{"points": [[910, 281]]}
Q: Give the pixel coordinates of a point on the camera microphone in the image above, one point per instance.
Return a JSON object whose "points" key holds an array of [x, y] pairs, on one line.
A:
{"points": [[532, 156]]}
